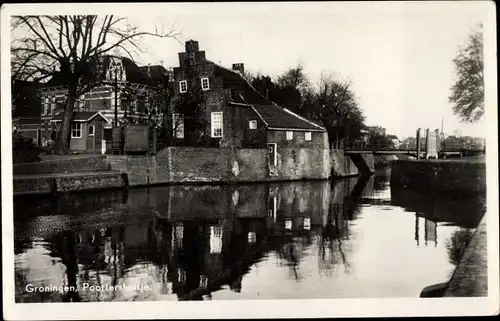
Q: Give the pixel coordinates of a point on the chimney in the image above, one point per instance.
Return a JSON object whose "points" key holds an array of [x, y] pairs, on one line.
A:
{"points": [[192, 46], [240, 68]]}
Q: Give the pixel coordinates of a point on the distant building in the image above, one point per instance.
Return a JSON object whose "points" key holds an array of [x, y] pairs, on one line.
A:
{"points": [[376, 130], [395, 140]]}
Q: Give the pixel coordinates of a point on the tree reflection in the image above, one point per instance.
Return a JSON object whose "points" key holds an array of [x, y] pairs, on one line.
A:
{"points": [[333, 231]]}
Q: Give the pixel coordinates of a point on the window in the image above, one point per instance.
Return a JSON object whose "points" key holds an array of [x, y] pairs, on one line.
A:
{"points": [[252, 124], [76, 130], [178, 125], [216, 124], [308, 136], [91, 130], [47, 105], [289, 135], [205, 85], [183, 86], [53, 106]]}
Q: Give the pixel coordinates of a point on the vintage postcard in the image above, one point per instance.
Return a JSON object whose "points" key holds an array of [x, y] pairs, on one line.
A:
{"points": [[236, 160]]}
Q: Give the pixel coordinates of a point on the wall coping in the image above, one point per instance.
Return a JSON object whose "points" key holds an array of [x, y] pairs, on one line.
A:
{"points": [[442, 161], [56, 161]]}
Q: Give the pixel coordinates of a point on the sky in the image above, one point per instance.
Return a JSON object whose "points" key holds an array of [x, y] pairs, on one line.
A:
{"points": [[397, 54]]}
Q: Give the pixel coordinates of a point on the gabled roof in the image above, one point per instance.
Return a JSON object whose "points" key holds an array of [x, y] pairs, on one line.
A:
{"points": [[277, 117], [80, 116], [133, 72], [274, 116]]}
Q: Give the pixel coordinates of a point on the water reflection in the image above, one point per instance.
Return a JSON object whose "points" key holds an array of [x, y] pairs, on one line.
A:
{"points": [[304, 240]]}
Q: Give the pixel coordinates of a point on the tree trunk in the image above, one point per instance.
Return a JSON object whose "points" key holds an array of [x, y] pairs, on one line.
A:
{"points": [[167, 134], [63, 139]]}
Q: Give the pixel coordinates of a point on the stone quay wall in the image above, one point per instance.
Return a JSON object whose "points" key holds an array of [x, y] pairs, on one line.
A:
{"points": [[185, 165], [52, 184], [64, 165], [222, 165], [446, 176], [342, 166]]}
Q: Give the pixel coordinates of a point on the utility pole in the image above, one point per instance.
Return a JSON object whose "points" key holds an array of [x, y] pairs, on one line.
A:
{"points": [[418, 143], [116, 97], [442, 133]]}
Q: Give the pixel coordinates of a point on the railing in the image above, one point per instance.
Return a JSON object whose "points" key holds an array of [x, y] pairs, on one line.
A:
{"points": [[347, 145]]}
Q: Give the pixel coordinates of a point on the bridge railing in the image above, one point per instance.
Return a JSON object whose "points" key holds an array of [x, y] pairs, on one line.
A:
{"points": [[347, 145]]}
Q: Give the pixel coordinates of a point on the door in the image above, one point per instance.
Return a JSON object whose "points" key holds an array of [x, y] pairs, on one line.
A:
{"points": [[90, 138], [273, 156]]}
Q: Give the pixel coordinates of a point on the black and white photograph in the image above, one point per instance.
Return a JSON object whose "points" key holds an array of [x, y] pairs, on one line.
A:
{"points": [[268, 159]]}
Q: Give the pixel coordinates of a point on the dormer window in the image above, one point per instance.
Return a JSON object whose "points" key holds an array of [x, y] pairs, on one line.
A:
{"points": [[183, 86], [205, 85]]}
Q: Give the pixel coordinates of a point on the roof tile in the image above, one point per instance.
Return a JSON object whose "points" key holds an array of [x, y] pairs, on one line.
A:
{"points": [[275, 116]]}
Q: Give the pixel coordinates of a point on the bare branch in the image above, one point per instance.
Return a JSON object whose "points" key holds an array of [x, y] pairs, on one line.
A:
{"points": [[40, 37]]}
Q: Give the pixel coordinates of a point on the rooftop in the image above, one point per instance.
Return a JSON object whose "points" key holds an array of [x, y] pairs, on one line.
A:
{"points": [[273, 115]]}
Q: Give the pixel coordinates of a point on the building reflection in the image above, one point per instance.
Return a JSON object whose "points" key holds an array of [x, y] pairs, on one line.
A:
{"points": [[463, 212], [430, 210], [192, 241], [430, 230]]}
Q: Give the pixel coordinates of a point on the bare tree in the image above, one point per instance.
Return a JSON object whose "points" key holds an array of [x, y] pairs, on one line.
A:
{"points": [[69, 47], [295, 78], [467, 94], [335, 105]]}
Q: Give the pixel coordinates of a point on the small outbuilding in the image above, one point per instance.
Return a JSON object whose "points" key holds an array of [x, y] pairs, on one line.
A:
{"points": [[86, 132]]}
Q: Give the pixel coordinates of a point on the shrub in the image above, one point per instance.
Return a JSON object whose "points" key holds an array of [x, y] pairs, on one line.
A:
{"points": [[24, 150]]}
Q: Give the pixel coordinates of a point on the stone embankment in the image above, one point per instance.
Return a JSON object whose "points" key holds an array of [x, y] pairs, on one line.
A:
{"points": [[470, 278], [342, 165], [68, 174], [467, 176]]}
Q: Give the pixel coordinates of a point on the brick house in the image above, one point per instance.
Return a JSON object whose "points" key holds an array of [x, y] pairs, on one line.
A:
{"points": [[121, 78], [236, 114]]}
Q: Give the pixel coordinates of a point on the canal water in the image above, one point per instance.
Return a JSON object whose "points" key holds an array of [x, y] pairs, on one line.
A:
{"points": [[351, 238]]}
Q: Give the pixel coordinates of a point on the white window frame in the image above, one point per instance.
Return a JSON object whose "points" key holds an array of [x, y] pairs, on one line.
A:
{"points": [[93, 130], [214, 119], [308, 136], [252, 124], [208, 84], [76, 127], [289, 135], [183, 82], [178, 119]]}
